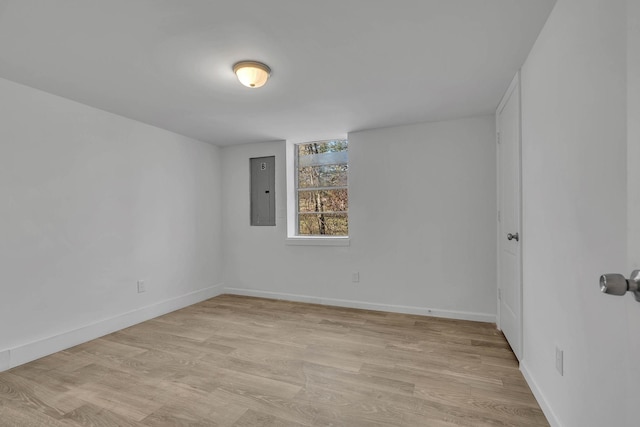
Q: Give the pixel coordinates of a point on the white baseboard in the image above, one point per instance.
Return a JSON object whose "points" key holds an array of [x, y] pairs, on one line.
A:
{"points": [[537, 393], [4, 360], [449, 314], [28, 352]]}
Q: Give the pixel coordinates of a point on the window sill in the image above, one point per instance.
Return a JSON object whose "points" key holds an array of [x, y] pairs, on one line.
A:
{"points": [[318, 241]]}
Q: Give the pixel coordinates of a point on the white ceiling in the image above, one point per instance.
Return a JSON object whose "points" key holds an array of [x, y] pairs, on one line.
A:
{"points": [[338, 65]]}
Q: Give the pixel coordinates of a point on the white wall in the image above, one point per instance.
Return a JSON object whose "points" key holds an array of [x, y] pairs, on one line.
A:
{"points": [[422, 225], [90, 202], [575, 216]]}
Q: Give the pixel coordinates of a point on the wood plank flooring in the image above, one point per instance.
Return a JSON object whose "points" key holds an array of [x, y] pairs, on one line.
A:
{"points": [[240, 361]]}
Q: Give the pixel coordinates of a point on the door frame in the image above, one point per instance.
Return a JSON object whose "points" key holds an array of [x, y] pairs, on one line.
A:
{"points": [[513, 86]]}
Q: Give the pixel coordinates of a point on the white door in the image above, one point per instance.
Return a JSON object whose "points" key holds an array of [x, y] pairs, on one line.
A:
{"points": [[509, 206], [633, 205]]}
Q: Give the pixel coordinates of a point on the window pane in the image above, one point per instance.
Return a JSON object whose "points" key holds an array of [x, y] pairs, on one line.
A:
{"points": [[322, 153], [323, 201], [318, 147], [323, 176], [323, 224]]}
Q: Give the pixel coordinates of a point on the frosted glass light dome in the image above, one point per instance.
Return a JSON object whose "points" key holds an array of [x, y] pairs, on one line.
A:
{"points": [[252, 74]]}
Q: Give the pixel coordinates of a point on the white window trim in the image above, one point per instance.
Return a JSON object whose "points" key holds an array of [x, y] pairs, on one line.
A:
{"points": [[292, 224], [318, 241]]}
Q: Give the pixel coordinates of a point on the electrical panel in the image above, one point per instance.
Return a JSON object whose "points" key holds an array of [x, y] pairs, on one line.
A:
{"points": [[263, 195]]}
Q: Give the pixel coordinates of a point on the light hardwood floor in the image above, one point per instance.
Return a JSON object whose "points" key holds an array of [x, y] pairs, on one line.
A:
{"points": [[240, 361]]}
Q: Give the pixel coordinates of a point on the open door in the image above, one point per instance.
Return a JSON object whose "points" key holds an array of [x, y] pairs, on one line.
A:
{"points": [[509, 214], [633, 200]]}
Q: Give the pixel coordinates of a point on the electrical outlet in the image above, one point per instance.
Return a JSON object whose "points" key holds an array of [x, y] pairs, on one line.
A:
{"points": [[141, 286], [560, 361], [355, 277]]}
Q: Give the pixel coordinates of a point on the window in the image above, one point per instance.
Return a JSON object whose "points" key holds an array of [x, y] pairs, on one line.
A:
{"points": [[322, 200]]}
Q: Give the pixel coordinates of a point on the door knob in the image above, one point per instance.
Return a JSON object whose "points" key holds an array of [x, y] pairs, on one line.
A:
{"points": [[616, 284], [513, 236]]}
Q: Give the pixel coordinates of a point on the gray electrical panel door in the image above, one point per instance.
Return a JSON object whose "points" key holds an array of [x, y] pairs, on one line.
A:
{"points": [[263, 195]]}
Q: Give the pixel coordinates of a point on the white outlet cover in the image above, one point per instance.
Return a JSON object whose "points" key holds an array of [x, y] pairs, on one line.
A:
{"points": [[560, 361]]}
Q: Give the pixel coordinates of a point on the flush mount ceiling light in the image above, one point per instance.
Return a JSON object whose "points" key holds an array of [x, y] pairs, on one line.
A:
{"points": [[252, 74]]}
